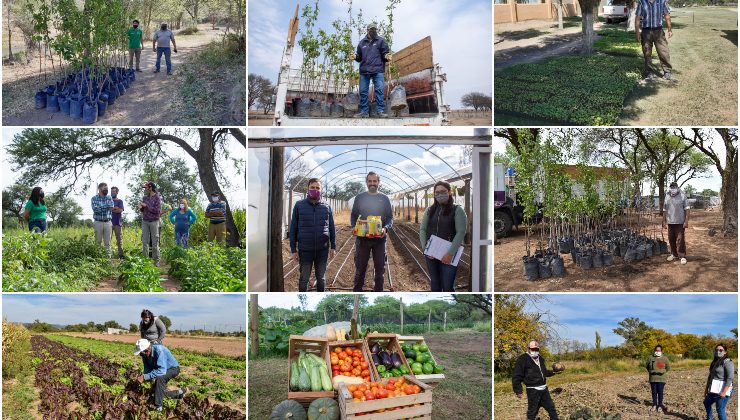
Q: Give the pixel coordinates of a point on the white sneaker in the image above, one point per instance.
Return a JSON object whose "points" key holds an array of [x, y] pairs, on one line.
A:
{"points": [[670, 258], [683, 260]]}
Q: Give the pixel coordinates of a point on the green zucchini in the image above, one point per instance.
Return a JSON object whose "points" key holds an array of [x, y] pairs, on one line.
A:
{"points": [[315, 379], [294, 376]]}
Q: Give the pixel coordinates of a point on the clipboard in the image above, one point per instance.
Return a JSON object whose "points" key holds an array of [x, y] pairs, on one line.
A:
{"points": [[438, 247]]}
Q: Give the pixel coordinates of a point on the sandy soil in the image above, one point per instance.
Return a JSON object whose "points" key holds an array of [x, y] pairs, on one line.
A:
{"points": [[227, 346], [147, 103], [628, 395], [712, 266], [405, 274]]}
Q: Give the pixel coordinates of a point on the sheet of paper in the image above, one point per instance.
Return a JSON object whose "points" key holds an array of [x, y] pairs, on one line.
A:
{"points": [[438, 247], [717, 387]]}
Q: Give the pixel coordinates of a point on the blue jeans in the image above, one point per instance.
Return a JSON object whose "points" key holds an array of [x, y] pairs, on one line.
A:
{"points": [[167, 57], [318, 260], [443, 275], [39, 225], [657, 391], [378, 83], [181, 237], [721, 404]]}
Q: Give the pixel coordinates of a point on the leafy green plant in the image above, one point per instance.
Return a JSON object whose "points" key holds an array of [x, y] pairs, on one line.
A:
{"points": [[208, 267], [139, 274]]}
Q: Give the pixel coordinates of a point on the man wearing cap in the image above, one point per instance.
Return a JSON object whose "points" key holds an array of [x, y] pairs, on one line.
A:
{"points": [[372, 54], [159, 366], [676, 215], [161, 45], [531, 370], [216, 213]]}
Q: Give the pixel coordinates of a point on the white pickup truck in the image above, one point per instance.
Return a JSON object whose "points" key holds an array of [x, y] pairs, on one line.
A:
{"points": [[614, 11]]}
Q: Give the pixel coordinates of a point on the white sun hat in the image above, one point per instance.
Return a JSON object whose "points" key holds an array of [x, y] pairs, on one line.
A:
{"points": [[141, 345]]}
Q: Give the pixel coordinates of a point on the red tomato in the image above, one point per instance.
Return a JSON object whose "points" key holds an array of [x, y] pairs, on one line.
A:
{"points": [[364, 365], [369, 395]]}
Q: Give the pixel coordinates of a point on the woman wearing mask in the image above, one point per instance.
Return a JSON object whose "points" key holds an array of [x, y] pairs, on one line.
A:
{"points": [[182, 217], [35, 211], [657, 366], [719, 383], [447, 221], [152, 328]]}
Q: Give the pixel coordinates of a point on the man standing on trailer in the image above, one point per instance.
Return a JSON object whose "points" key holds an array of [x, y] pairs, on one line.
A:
{"points": [[372, 54], [312, 236], [371, 203], [676, 215]]}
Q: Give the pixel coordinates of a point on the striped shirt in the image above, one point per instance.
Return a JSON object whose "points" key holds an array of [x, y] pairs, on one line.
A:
{"points": [[651, 13], [220, 205], [102, 207]]}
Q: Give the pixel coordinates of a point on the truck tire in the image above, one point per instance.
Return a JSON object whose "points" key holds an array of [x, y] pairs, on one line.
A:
{"points": [[502, 224]]}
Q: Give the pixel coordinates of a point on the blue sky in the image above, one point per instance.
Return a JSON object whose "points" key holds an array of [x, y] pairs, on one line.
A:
{"points": [[225, 312], [582, 314], [461, 34]]}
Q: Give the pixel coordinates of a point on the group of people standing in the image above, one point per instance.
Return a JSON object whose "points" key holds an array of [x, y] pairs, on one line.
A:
{"points": [[160, 45], [312, 235], [531, 372], [108, 208]]}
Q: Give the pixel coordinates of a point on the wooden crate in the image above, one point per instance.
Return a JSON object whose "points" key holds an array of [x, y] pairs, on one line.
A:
{"points": [[350, 409], [388, 342], [362, 345], [318, 346], [432, 379]]}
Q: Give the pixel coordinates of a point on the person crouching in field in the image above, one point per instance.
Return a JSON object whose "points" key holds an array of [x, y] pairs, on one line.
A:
{"points": [[116, 219], [35, 211], [151, 327], [182, 217], [676, 215], [657, 366], [312, 236], [102, 206], [150, 207], [531, 370], [719, 383], [159, 366]]}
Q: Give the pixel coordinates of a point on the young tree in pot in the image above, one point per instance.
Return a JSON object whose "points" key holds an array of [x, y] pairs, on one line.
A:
{"points": [[526, 167]]}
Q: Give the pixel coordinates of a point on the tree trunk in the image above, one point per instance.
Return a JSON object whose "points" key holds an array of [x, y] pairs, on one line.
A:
{"points": [[587, 29], [631, 20], [209, 182], [729, 198], [560, 14], [10, 35], [254, 316], [661, 194]]}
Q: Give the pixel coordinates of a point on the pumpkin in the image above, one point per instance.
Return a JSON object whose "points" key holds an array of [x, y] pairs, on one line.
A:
{"points": [[331, 333], [288, 410], [323, 409]]}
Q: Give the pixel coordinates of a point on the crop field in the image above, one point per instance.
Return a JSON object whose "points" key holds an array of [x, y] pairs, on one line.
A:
{"points": [[604, 88], [84, 378], [464, 393], [405, 270], [67, 260], [626, 393]]}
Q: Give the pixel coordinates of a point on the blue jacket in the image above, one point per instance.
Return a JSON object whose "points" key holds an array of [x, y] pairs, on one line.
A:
{"points": [[312, 226], [371, 55], [157, 364]]}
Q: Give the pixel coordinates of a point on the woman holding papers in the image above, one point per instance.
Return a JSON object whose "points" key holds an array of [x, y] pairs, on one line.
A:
{"points": [[444, 223], [719, 383]]}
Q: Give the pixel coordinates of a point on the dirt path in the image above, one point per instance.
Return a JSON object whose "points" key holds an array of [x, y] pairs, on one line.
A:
{"points": [[147, 102], [110, 284], [628, 395], [712, 266], [227, 346]]}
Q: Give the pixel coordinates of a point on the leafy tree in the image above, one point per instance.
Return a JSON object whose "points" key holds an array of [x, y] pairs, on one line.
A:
{"points": [[174, 181], [633, 330], [112, 324], [303, 298], [689, 190], [166, 320], [133, 328], [339, 307], [480, 301], [709, 192], [14, 198], [62, 210], [260, 90], [513, 328], [477, 100], [70, 154], [598, 341]]}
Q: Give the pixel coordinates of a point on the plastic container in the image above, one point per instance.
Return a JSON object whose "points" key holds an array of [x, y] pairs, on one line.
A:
{"points": [[89, 112], [398, 98], [75, 107], [351, 102], [64, 104], [52, 103], [40, 99], [102, 106], [531, 268]]}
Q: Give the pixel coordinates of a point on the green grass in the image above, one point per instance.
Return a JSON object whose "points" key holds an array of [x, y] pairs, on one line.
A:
{"points": [[18, 397], [229, 386]]}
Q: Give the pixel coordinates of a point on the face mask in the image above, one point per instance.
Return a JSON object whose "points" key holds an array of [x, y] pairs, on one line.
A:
{"points": [[658, 353], [674, 191], [534, 354], [214, 198], [442, 197], [105, 192], [114, 195], [372, 34], [314, 194], [41, 194], [164, 27], [136, 25], [719, 353], [182, 206]]}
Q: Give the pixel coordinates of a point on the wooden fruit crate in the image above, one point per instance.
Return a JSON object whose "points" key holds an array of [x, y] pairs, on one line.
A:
{"points": [[388, 342], [432, 379], [350, 409], [362, 345], [318, 346]]}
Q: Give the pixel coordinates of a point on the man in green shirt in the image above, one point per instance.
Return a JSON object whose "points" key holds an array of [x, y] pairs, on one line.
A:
{"points": [[135, 44]]}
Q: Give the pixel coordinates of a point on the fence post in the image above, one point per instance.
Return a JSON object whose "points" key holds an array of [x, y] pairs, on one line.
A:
{"points": [[444, 328], [429, 322], [254, 324], [325, 319], [416, 206], [401, 300]]}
